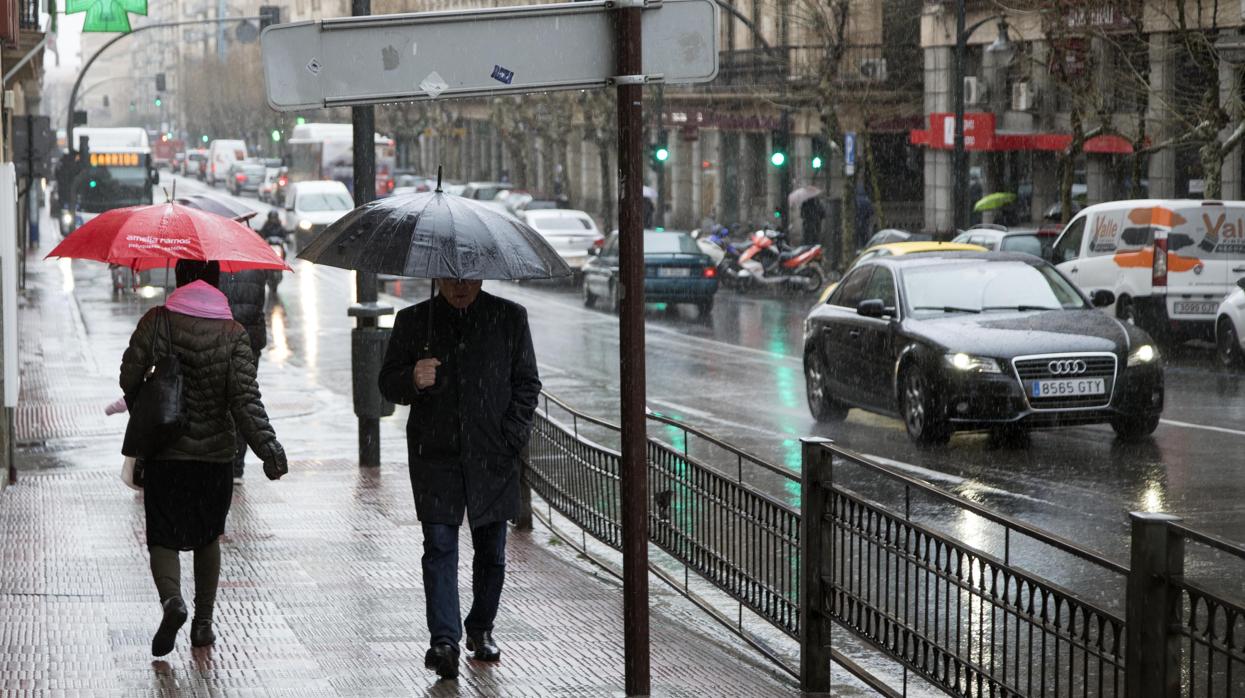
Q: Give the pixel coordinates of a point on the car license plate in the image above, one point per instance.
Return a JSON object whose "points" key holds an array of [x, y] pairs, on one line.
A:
{"points": [[1068, 388], [674, 271], [1196, 308]]}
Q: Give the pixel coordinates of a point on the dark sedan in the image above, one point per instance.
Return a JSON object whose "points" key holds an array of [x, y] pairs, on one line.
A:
{"points": [[675, 271], [977, 341]]}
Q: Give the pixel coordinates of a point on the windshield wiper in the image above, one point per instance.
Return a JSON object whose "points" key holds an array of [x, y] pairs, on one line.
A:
{"points": [[946, 308], [1021, 308]]}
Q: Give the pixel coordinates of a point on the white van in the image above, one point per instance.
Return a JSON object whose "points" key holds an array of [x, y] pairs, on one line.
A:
{"points": [[1169, 262], [222, 154]]}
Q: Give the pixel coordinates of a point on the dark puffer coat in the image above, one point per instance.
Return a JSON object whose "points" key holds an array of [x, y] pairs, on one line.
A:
{"points": [[464, 434], [246, 291], [220, 388]]}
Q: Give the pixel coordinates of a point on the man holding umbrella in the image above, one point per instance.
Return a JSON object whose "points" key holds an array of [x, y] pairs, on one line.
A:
{"points": [[464, 363]]}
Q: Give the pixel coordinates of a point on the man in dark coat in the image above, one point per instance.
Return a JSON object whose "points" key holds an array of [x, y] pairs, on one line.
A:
{"points": [[245, 291], [464, 363]]}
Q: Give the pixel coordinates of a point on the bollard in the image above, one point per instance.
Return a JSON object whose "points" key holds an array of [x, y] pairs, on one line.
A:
{"points": [[814, 556], [367, 345], [523, 522], [1152, 649]]}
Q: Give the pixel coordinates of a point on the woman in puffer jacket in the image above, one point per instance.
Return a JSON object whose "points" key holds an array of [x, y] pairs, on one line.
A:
{"points": [[189, 485]]}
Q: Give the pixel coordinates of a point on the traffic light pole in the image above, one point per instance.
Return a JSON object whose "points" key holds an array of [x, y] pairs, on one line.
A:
{"points": [[72, 197]]}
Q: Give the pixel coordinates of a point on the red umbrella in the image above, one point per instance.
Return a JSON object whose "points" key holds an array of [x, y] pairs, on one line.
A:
{"points": [[148, 237]]}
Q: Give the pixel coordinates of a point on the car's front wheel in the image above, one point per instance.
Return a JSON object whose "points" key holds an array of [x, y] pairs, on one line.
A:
{"points": [[615, 301], [1228, 344], [1135, 427], [926, 425], [820, 402]]}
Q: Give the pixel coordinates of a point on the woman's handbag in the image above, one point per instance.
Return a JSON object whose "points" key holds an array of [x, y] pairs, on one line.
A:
{"points": [[158, 414], [132, 473]]}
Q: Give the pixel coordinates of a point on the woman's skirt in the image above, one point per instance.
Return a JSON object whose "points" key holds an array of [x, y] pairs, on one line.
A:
{"points": [[186, 502]]}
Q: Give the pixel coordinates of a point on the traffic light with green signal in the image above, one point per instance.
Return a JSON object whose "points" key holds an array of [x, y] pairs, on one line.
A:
{"points": [[778, 148], [660, 150], [819, 152], [159, 101]]}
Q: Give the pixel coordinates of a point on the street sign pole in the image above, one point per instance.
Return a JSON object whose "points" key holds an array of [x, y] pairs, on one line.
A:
{"points": [[633, 487], [368, 341]]}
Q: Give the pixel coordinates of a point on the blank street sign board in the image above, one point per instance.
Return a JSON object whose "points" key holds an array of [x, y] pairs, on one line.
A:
{"points": [[390, 58]]}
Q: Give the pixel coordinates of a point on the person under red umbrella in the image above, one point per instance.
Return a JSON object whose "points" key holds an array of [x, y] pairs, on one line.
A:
{"points": [[158, 235]]}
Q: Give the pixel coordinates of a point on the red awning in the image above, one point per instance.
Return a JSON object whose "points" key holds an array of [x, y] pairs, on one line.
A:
{"points": [[979, 135]]}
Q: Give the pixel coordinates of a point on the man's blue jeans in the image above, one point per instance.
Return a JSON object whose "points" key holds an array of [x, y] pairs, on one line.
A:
{"points": [[488, 572]]}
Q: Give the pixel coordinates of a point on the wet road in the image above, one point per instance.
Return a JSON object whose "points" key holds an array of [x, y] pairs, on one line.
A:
{"points": [[740, 377]]}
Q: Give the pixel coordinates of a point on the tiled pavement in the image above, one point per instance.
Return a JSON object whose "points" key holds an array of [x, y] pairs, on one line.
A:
{"points": [[320, 592]]}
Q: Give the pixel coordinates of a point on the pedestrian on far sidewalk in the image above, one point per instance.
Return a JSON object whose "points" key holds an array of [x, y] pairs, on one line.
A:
{"points": [[187, 485], [464, 363], [246, 292]]}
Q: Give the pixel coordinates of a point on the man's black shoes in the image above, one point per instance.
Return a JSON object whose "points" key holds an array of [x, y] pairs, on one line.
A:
{"points": [[443, 659], [175, 614], [484, 647]]}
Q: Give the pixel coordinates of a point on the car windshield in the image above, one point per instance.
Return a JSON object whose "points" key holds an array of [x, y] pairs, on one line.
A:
{"points": [[993, 286], [670, 243], [324, 201], [561, 223]]}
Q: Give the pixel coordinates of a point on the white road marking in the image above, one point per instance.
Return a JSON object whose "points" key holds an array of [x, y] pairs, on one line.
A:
{"points": [[1206, 427], [953, 480], [690, 411]]}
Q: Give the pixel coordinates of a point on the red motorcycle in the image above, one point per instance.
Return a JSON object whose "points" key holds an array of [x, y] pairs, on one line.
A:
{"points": [[771, 262]]}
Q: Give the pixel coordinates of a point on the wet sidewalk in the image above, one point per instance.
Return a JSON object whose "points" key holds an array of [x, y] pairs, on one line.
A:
{"points": [[320, 591]]}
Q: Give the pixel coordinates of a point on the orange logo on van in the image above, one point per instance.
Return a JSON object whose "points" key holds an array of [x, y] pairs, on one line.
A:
{"points": [[1156, 215], [1144, 258]]}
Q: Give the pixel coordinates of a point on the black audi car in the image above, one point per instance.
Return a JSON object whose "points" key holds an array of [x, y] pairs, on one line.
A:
{"points": [[977, 340]]}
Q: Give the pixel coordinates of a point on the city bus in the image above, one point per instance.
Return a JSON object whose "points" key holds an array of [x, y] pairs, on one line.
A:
{"points": [[325, 152], [120, 173]]}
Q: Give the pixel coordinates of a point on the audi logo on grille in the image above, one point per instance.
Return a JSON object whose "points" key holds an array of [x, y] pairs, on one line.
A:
{"points": [[1067, 367]]}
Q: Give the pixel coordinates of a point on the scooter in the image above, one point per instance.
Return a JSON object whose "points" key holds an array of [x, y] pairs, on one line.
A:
{"points": [[769, 262], [716, 244]]}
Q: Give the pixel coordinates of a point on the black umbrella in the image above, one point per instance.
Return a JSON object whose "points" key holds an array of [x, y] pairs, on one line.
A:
{"points": [[434, 235], [218, 205]]}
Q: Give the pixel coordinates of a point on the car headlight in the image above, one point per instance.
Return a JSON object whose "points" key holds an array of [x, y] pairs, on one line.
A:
{"points": [[67, 218], [1142, 355], [304, 225], [975, 364]]}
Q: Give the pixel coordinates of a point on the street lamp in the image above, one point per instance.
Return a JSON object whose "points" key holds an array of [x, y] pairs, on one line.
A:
{"points": [[1003, 49]]}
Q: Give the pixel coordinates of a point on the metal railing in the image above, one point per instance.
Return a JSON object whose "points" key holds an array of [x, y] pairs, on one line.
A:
{"points": [[863, 66], [738, 538], [968, 622], [978, 619], [1211, 627]]}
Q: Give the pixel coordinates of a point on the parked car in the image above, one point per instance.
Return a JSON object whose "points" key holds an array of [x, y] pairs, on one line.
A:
{"points": [[977, 340], [676, 271], [179, 158], [997, 238], [571, 233], [310, 207], [221, 154], [1230, 328], [886, 236], [246, 177], [1169, 262], [484, 191], [896, 249]]}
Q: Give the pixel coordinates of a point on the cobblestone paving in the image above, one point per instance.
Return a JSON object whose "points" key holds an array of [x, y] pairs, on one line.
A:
{"points": [[320, 591]]}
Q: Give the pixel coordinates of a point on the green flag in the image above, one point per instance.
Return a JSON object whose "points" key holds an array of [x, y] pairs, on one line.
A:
{"points": [[106, 15]]}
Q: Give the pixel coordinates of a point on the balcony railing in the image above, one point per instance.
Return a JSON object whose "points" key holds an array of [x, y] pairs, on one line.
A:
{"points": [[884, 67], [29, 15]]}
